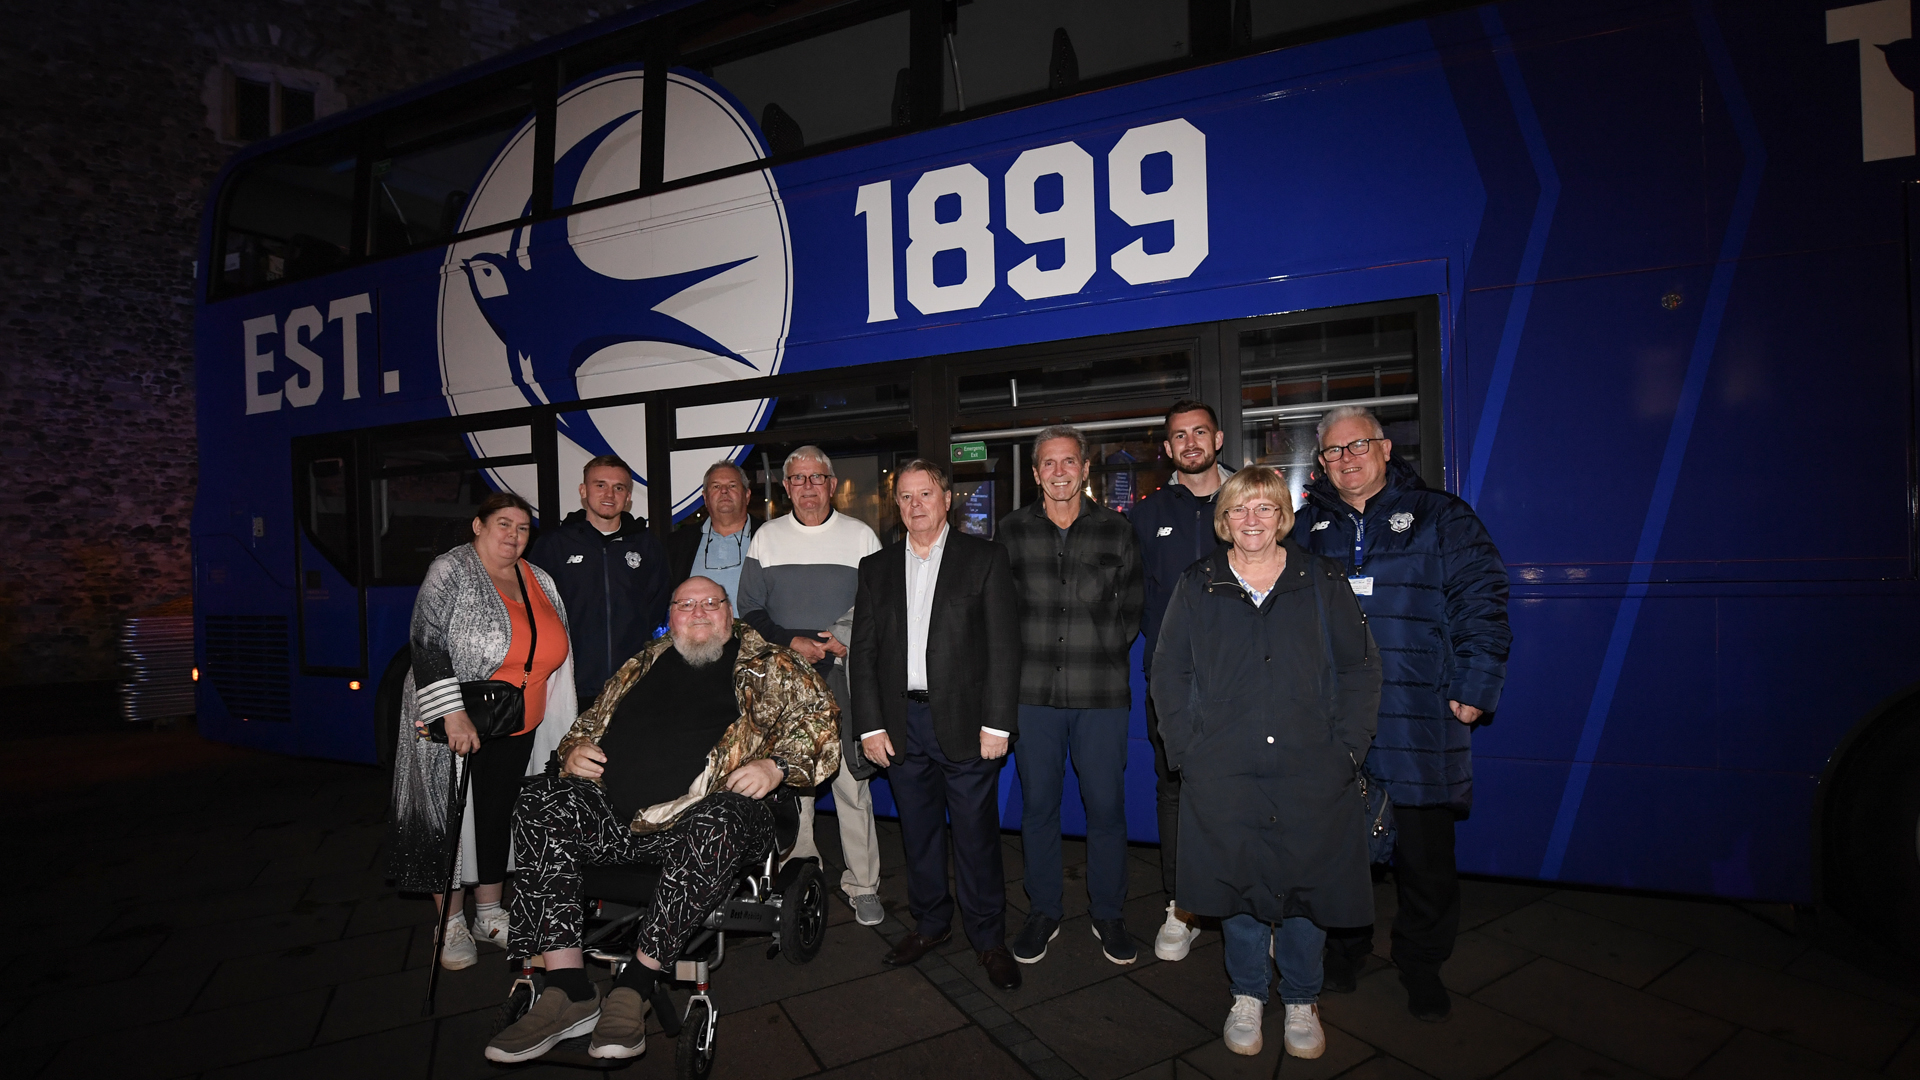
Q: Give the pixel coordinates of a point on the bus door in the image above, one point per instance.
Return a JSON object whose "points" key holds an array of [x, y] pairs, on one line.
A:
{"points": [[328, 570]]}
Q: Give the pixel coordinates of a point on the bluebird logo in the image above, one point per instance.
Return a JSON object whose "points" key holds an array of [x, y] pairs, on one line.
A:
{"points": [[690, 286]]}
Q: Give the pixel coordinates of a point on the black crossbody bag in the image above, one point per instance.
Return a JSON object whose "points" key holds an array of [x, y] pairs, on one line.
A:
{"points": [[498, 709]]}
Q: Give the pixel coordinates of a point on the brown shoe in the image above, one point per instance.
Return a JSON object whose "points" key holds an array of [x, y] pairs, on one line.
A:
{"points": [[1002, 971], [912, 948]]}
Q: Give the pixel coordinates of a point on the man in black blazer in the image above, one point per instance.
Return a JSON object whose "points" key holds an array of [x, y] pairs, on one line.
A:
{"points": [[935, 668]]}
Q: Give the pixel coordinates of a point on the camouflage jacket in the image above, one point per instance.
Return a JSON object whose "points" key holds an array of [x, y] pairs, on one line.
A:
{"points": [[786, 711]]}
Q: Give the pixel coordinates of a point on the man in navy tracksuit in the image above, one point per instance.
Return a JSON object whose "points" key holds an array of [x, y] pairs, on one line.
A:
{"points": [[1175, 528], [611, 572], [1435, 592]]}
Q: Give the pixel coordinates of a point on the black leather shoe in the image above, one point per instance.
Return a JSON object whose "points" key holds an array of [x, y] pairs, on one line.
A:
{"points": [[1002, 972], [912, 947], [1427, 999]]}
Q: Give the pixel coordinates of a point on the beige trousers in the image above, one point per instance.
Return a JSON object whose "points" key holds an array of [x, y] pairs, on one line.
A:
{"points": [[859, 844]]}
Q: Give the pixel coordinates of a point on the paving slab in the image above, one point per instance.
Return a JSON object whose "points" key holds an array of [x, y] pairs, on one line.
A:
{"points": [[1821, 966], [328, 963], [1656, 1036], [1479, 957], [364, 1006], [1073, 960], [1105, 1030], [402, 1052], [748, 979], [1723, 927], [1588, 942], [195, 1042], [1196, 985], [50, 1016], [758, 1044], [248, 937], [1385, 1068], [1753, 1056], [1906, 1063], [1482, 900], [966, 1054], [869, 1016], [1474, 1042], [1562, 1060], [1820, 1018]]}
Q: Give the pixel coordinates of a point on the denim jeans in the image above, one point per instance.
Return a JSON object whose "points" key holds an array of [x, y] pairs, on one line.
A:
{"points": [[1097, 739], [1298, 950]]}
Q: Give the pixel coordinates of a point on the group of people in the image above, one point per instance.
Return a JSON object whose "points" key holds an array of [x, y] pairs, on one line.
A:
{"points": [[1294, 662]]}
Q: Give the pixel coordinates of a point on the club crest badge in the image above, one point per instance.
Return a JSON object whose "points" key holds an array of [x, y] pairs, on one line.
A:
{"points": [[1400, 522], [635, 296], [633, 560]]}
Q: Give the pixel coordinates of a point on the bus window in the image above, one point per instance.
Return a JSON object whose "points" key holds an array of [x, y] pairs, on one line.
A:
{"points": [[328, 511], [1289, 373], [1270, 17], [425, 489], [288, 216], [1003, 48], [842, 81], [1050, 384], [421, 188]]}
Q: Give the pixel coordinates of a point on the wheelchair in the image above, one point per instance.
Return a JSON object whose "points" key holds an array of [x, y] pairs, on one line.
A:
{"points": [[787, 903]]}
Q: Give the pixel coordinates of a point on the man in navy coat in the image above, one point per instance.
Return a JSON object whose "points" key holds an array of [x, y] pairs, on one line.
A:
{"points": [[1435, 592]]}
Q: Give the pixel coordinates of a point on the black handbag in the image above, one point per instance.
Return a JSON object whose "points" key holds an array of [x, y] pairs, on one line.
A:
{"points": [[497, 709]]}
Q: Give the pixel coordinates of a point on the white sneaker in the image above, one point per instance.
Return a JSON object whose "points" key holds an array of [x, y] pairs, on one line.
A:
{"points": [[1304, 1037], [1175, 938], [491, 929], [459, 951], [1243, 1025]]}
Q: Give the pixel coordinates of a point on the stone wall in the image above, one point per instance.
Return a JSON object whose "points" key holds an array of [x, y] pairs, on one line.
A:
{"points": [[113, 121]]}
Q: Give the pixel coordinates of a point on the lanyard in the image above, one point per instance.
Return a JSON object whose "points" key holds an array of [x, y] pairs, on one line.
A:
{"points": [[1359, 542]]}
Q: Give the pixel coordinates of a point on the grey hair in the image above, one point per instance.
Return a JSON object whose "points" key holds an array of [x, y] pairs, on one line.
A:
{"points": [[1059, 431], [807, 453], [745, 481], [1348, 412]]}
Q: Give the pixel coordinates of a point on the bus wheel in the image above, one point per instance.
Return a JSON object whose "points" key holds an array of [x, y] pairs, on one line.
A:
{"points": [[386, 705], [1870, 832]]}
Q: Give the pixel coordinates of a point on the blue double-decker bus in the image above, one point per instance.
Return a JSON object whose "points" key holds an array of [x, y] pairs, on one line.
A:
{"points": [[1633, 276]]}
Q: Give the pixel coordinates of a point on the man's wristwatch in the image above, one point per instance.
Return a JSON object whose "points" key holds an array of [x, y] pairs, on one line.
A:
{"points": [[781, 764]]}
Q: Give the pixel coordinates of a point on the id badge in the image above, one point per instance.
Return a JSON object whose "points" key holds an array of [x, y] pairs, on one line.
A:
{"points": [[1362, 586]]}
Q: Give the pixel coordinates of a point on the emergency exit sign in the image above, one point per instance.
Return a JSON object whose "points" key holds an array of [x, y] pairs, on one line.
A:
{"points": [[969, 451]]}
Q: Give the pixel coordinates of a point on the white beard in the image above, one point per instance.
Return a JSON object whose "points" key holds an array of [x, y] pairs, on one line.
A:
{"points": [[700, 654]]}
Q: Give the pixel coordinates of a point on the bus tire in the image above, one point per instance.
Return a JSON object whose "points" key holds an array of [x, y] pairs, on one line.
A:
{"points": [[1870, 829], [386, 705]]}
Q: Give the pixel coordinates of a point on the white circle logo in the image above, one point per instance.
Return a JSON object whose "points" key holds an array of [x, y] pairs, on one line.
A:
{"points": [[687, 287]]}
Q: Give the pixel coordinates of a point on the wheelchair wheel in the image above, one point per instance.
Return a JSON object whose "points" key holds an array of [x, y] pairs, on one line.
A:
{"points": [[803, 916], [693, 1050]]}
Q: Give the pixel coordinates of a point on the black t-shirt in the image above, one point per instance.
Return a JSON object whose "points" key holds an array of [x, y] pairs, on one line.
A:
{"points": [[662, 731]]}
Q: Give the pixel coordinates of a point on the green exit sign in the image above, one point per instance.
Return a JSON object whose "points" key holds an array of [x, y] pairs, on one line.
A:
{"points": [[969, 451]]}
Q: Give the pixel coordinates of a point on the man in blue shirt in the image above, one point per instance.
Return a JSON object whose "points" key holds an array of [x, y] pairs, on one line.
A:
{"points": [[716, 547]]}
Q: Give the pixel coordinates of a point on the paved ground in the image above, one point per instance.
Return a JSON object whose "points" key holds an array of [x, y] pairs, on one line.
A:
{"points": [[192, 909]]}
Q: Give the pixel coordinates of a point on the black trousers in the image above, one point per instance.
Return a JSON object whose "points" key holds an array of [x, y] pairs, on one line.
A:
{"points": [[931, 791], [498, 767], [1427, 886], [1166, 793]]}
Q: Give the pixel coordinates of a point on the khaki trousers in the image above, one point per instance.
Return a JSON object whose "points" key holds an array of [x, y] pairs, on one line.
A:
{"points": [[859, 845]]}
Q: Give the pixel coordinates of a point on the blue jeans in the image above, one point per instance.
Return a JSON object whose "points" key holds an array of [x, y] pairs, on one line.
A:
{"points": [[1298, 950], [1098, 741]]}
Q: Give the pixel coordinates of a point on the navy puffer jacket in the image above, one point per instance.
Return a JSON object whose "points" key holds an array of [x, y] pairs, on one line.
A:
{"points": [[1439, 613]]}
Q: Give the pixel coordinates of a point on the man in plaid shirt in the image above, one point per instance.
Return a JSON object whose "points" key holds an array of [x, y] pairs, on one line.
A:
{"points": [[1076, 571]]}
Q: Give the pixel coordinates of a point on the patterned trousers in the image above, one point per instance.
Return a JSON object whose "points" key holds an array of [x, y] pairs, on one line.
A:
{"points": [[564, 823]]}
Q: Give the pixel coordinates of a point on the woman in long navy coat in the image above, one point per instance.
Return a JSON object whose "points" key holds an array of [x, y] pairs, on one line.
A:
{"points": [[1267, 684]]}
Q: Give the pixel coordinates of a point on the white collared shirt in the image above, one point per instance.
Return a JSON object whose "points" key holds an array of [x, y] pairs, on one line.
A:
{"points": [[922, 577]]}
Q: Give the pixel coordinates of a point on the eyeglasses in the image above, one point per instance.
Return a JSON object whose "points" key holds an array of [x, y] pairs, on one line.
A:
{"points": [[1358, 448], [810, 479], [703, 603], [729, 552], [1264, 510]]}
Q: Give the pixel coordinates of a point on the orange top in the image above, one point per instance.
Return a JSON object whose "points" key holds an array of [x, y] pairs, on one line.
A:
{"points": [[547, 658]]}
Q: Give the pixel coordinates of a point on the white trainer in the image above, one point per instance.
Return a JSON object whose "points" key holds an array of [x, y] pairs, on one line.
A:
{"points": [[459, 951], [1175, 938], [491, 929], [1305, 1039], [1243, 1025]]}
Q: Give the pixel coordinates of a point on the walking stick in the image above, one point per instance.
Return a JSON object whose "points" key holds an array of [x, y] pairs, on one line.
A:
{"points": [[456, 812]]}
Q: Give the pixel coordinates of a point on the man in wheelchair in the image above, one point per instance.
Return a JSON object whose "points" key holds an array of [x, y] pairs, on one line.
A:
{"points": [[713, 703]]}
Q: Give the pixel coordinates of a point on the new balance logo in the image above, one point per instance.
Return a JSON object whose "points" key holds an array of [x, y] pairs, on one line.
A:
{"points": [[1165, 530], [571, 559]]}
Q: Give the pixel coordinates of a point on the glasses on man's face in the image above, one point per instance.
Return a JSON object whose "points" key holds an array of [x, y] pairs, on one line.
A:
{"points": [[812, 479], [1259, 510], [700, 603], [729, 554], [1358, 448]]}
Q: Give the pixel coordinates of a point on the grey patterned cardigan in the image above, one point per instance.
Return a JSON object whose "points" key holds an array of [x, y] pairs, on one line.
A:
{"points": [[460, 633]]}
